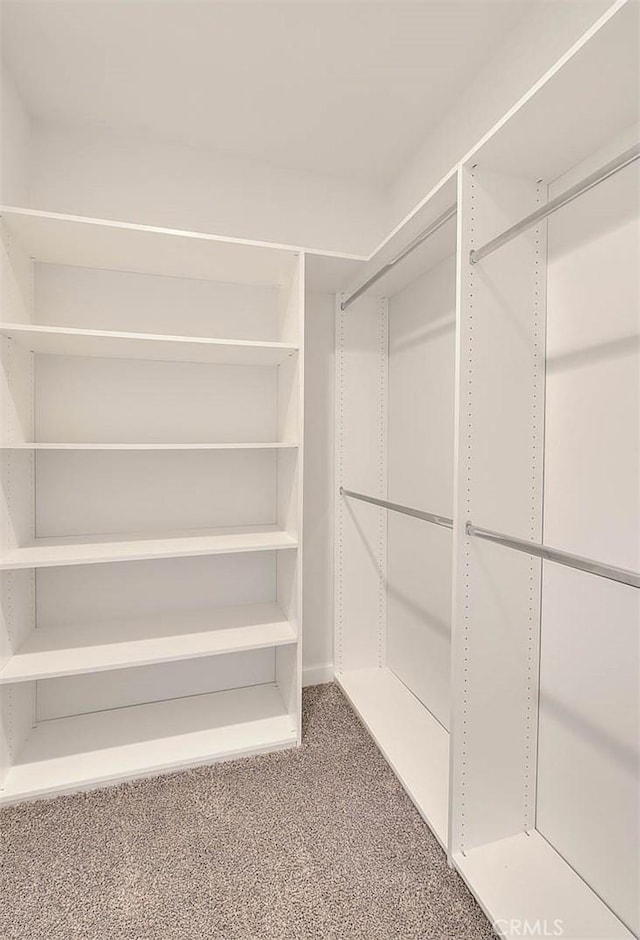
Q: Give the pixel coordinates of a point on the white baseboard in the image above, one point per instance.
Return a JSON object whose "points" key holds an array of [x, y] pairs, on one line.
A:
{"points": [[316, 675]]}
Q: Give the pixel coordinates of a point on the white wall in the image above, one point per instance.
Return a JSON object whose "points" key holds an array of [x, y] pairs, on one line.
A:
{"points": [[590, 658], [422, 331], [98, 174], [543, 36], [318, 488], [15, 134]]}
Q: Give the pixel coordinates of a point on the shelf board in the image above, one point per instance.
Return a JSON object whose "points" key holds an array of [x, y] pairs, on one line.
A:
{"points": [[97, 549], [163, 637], [84, 751], [522, 878], [546, 133], [39, 445], [412, 741], [68, 341], [57, 238]]}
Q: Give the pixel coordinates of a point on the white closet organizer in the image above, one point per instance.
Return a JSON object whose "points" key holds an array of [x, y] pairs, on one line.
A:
{"points": [[152, 493], [511, 713]]}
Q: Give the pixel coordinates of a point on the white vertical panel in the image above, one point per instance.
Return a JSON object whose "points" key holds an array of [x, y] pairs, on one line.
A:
{"points": [[16, 280], [291, 302], [288, 677], [592, 464], [17, 610], [17, 718], [588, 783], [290, 464], [319, 480], [16, 398], [17, 589], [361, 465], [500, 375], [16, 392], [588, 777], [421, 424]]}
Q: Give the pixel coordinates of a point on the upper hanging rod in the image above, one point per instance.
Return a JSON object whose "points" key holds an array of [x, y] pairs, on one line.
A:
{"points": [[396, 507], [611, 572], [614, 166], [430, 230]]}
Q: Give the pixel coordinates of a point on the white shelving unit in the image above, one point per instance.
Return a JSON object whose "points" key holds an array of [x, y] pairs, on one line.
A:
{"points": [[501, 688], [152, 494]]}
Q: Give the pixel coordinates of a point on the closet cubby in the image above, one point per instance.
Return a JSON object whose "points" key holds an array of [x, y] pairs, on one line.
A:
{"points": [[152, 488]]}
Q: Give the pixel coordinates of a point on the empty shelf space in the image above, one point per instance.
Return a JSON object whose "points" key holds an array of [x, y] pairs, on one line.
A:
{"points": [[97, 549], [37, 445], [163, 637], [67, 754], [522, 878], [123, 246], [58, 238], [68, 341], [413, 742]]}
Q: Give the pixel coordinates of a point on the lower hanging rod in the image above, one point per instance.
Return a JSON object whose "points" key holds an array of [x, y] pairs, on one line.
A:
{"points": [[422, 237], [610, 572], [614, 166], [397, 507]]}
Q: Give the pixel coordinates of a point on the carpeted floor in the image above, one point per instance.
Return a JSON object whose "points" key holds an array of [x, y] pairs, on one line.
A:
{"points": [[320, 843]]}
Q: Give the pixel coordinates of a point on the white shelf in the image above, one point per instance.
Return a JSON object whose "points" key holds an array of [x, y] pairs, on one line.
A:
{"points": [[523, 879], [38, 445], [57, 238], [163, 637], [68, 754], [546, 134], [413, 742], [91, 550], [68, 341]]}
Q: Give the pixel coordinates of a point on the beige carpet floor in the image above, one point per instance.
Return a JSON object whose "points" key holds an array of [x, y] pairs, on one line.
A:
{"points": [[319, 843]]}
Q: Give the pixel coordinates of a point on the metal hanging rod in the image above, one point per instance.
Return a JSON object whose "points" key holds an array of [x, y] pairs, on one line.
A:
{"points": [[614, 166], [396, 507], [428, 232], [611, 572]]}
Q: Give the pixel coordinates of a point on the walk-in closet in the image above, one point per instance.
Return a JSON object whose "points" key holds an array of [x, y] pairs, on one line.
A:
{"points": [[320, 448]]}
